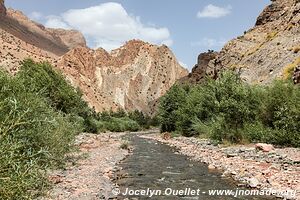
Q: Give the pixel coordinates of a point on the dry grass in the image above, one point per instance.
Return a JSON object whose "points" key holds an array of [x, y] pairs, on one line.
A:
{"points": [[268, 38], [289, 69]]}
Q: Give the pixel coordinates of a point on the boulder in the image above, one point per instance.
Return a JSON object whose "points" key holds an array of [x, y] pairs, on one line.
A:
{"points": [[166, 136], [253, 182], [264, 147]]}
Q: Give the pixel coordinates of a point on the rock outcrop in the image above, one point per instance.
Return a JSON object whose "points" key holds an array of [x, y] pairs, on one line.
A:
{"points": [[2, 8], [56, 41], [268, 51], [201, 69], [133, 76], [70, 38]]}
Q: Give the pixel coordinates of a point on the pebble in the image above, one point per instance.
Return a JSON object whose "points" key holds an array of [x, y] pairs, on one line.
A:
{"points": [[257, 169]]}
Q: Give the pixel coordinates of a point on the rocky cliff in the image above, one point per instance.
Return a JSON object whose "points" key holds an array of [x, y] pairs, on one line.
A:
{"points": [[201, 69], [269, 50], [55, 41], [133, 76], [2, 8]]}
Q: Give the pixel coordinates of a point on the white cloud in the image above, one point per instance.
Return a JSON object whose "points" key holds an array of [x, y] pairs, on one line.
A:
{"points": [[210, 42], [35, 16], [56, 22], [108, 25], [212, 11]]}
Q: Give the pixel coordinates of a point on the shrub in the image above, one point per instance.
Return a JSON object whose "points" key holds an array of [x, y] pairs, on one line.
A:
{"points": [[229, 110], [143, 120], [281, 111], [41, 79], [168, 107], [33, 137], [121, 125]]}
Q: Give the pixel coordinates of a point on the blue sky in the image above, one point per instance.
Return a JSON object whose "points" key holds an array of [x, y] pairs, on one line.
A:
{"points": [[188, 27]]}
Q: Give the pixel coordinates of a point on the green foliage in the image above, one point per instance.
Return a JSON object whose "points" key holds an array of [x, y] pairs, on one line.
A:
{"points": [[121, 124], [42, 80], [40, 113], [168, 107], [281, 112], [230, 110], [143, 120], [33, 137]]}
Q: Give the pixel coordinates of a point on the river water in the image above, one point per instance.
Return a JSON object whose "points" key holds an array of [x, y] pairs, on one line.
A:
{"points": [[157, 169]]}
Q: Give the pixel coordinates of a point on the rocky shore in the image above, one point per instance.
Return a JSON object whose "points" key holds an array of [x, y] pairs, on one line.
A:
{"points": [[278, 169], [89, 177]]}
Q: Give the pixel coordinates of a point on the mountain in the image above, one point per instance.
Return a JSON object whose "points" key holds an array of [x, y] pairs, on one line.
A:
{"points": [[269, 50], [132, 77]]}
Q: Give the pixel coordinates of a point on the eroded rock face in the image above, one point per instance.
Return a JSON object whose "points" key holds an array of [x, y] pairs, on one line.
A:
{"points": [[56, 41], [2, 8], [266, 51], [71, 38], [202, 69], [132, 77]]}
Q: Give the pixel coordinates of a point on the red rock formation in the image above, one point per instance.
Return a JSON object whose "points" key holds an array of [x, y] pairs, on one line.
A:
{"points": [[201, 69], [133, 76], [71, 38], [265, 51]]}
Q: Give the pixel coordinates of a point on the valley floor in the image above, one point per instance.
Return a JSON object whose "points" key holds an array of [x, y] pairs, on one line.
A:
{"points": [[278, 170], [90, 176]]}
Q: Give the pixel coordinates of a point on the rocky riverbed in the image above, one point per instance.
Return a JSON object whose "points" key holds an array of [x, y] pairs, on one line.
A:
{"points": [[278, 170], [89, 177]]}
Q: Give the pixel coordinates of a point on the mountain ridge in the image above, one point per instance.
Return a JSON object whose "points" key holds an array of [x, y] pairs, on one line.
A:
{"points": [[270, 50], [132, 77]]}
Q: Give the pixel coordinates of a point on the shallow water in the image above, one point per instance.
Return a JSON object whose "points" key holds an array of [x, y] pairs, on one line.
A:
{"points": [[157, 166]]}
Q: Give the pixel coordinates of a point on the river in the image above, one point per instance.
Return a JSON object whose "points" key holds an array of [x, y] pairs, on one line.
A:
{"points": [[157, 170]]}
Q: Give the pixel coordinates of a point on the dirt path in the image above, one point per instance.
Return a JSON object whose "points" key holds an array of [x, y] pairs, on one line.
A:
{"points": [[89, 178], [278, 170]]}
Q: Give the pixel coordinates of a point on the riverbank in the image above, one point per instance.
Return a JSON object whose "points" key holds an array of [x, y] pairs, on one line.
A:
{"points": [[89, 177], [278, 170]]}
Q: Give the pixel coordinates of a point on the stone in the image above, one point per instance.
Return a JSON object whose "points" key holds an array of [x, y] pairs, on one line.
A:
{"points": [[211, 167], [166, 136], [231, 155], [264, 147], [253, 182]]}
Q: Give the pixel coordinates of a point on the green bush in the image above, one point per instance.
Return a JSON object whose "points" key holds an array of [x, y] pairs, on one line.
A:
{"points": [[41, 79], [33, 137], [40, 113], [143, 120], [168, 107], [228, 109], [121, 125]]}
